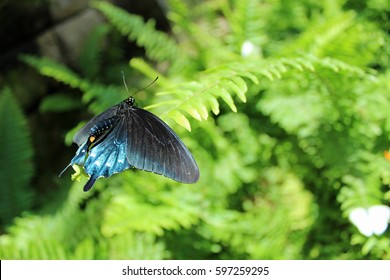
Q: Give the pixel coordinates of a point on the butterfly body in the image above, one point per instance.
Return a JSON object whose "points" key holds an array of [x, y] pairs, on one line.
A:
{"points": [[124, 137]]}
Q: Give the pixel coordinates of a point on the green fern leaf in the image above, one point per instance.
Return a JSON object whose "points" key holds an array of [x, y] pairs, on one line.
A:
{"points": [[57, 71], [16, 167], [59, 102], [359, 193], [180, 119], [245, 21], [170, 212], [239, 86], [157, 44], [135, 246], [85, 250], [213, 104], [226, 81], [89, 58], [225, 95]]}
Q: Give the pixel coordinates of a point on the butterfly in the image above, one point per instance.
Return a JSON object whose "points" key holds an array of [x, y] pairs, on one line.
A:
{"points": [[124, 137]]}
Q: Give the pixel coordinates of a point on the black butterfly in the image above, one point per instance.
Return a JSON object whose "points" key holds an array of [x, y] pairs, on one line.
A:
{"points": [[125, 136]]}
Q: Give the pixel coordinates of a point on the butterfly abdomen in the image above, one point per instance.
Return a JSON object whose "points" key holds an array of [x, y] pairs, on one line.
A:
{"points": [[99, 130], [101, 127]]}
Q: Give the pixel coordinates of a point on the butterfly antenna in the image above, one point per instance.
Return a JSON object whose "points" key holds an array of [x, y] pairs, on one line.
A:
{"points": [[124, 82]]}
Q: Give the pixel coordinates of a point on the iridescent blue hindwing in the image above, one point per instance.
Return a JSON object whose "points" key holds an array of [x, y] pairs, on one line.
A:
{"points": [[109, 156]]}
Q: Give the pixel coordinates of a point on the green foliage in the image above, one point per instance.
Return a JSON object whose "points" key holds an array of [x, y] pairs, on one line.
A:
{"points": [[101, 95], [57, 71], [157, 44], [67, 234], [59, 102], [16, 168], [289, 137], [91, 53]]}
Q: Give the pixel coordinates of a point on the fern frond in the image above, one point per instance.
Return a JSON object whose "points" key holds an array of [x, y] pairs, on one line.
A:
{"points": [[359, 193], [132, 211], [179, 12], [135, 246], [365, 190], [325, 32], [225, 82], [341, 37], [30, 238], [157, 44], [57, 71], [89, 58], [16, 166], [229, 227], [245, 21], [99, 96], [59, 102]]}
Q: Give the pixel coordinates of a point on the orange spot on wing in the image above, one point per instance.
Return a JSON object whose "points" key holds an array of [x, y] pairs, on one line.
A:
{"points": [[92, 138]]}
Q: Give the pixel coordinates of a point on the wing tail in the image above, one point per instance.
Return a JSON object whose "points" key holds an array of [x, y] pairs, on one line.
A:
{"points": [[89, 184]]}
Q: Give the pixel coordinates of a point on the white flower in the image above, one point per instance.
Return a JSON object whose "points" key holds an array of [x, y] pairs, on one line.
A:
{"points": [[372, 220]]}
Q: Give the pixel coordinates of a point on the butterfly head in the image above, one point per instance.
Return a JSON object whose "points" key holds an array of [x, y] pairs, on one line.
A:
{"points": [[130, 101]]}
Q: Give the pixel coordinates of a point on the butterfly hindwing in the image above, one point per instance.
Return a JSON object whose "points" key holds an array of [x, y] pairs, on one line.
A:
{"points": [[109, 156]]}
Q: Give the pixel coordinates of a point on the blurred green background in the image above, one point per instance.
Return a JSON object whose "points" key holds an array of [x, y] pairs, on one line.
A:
{"points": [[285, 105]]}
